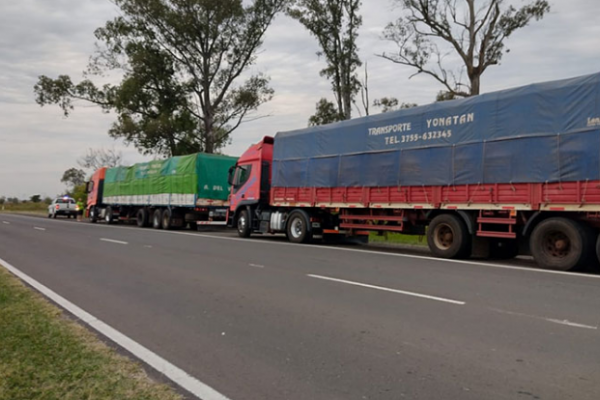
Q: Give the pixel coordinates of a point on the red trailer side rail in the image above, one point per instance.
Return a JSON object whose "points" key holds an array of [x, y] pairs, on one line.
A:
{"points": [[557, 222]]}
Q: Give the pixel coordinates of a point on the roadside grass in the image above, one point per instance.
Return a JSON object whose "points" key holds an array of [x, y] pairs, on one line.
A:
{"points": [[397, 238], [25, 207], [45, 355]]}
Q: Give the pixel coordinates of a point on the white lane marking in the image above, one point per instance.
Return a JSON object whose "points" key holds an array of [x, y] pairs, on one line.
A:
{"points": [[569, 323], [148, 246], [423, 296], [113, 241], [256, 265], [553, 320], [6, 222], [269, 242], [37, 228], [177, 375]]}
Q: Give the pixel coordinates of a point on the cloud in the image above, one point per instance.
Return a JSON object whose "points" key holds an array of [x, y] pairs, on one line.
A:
{"points": [[40, 37]]}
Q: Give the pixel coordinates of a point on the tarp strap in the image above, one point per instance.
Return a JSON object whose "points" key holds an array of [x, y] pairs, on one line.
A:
{"points": [[584, 193], [483, 162], [453, 165], [559, 165], [399, 170]]}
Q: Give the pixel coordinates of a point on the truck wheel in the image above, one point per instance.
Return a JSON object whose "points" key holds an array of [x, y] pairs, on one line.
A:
{"points": [[157, 219], [243, 224], [448, 237], [562, 244], [167, 219], [141, 218], [93, 215], [298, 228], [108, 218], [596, 266]]}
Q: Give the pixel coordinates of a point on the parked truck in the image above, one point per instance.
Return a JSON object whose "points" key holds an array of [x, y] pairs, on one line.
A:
{"points": [[496, 175], [167, 194]]}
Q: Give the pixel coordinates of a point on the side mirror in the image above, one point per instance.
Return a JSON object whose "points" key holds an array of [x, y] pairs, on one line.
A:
{"points": [[230, 176]]}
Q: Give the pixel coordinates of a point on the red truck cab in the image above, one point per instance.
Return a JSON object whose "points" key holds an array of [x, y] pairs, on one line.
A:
{"points": [[250, 181]]}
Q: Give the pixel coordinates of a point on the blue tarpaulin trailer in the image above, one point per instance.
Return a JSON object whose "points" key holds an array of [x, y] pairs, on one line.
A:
{"points": [[547, 132], [496, 175]]}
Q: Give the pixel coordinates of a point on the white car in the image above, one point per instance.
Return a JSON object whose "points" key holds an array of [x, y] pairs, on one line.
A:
{"points": [[62, 206]]}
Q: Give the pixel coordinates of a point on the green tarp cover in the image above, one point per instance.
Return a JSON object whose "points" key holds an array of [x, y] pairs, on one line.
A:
{"points": [[201, 175]]}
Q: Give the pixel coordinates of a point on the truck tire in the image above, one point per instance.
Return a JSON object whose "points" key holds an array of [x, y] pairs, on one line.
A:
{"points": [[562, 244], [244, 227], [298, 227], [108, 218], [596, 265], [93, 215], [167, 219], [157, 219], [448, 237], [141, 218]]}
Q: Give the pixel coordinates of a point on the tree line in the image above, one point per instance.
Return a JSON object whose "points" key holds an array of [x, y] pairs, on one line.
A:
{"points": [[75, 178], [185, 64]]}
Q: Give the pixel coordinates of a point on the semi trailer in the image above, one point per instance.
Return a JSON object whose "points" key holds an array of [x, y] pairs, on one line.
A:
{"points": [[496, 175], [173, 193]]}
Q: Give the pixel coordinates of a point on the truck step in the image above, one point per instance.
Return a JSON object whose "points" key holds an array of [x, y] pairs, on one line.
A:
{"points": [[508, 235], [504, 221]]}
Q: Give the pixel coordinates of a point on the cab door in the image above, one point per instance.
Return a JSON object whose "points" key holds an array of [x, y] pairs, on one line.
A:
{"points": [[245, 185]]}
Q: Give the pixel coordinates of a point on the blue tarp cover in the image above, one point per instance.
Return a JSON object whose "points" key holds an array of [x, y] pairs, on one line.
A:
{"points": [[546, 132]]}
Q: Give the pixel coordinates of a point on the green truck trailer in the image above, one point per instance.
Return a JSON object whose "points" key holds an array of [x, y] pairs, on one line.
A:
{"points": [[171, 193]]}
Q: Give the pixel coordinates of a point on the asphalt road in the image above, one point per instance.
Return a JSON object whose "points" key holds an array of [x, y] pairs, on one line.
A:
{"points": [[264, 319]]}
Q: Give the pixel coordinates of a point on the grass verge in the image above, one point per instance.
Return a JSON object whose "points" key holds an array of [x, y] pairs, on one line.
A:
{"points": [[25, 208], [397, 238], [45, 355]]}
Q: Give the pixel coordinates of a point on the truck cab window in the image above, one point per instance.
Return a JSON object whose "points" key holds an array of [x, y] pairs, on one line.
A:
{"points": [[241, 176]]}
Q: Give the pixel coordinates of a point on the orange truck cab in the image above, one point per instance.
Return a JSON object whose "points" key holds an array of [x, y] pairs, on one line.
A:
{"points": [[94, 190]]}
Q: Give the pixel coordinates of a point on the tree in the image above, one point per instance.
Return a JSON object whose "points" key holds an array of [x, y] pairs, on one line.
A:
{"points": [[79, 192], [36, 198], [47, 200], [2, 200], [364, 93], [183, 61], [477, 38], [388, 104], [73, 177], [326, 113], [445, 96], [95, 159], [335, 24]]}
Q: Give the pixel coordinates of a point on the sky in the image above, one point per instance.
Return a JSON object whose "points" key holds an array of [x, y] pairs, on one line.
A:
{"points": [[42, 37]]}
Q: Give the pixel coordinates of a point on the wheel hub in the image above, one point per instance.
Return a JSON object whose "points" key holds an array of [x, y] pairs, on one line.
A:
{"points": [[444, 236], [557, 244], [297, 228]]}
